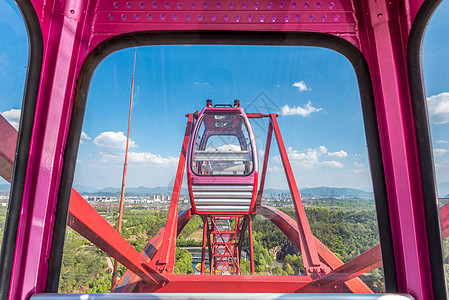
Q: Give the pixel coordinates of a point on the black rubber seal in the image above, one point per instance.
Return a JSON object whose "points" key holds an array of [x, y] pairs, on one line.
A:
{"points": [[35, 56]]}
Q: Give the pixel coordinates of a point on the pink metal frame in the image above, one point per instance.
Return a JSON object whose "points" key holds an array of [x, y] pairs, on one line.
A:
{"points": [[72, 29]]}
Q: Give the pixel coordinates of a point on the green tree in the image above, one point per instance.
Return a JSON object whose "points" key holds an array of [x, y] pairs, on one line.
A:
{"points": [[277, 270], [183, 262], [288, 269]]}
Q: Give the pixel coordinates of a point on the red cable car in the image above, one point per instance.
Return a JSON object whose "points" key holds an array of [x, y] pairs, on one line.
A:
{"points": [[222, 161]]}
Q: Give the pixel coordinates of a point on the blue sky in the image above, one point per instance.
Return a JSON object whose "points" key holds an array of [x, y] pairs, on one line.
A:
{"points": [[314, 90], [320, 110]]}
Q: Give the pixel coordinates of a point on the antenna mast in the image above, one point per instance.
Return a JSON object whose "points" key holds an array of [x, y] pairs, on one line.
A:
{"points": [[125, 167]]}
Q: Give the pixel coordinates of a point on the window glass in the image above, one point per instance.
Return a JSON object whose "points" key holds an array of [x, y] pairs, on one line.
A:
{"points": [[223, 147], [13, 67], [436, 79], [315, 94]]}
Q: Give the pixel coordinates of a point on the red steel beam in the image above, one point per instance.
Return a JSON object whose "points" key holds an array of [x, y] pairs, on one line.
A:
{"points": [[257, 115], [444, 219], [225, 244], [265, 165], [203, 249], [90, 224], [130, 282], [230, 284], [8, 140], [251, 248], [166, 259], [365, 262], [312, 262]]}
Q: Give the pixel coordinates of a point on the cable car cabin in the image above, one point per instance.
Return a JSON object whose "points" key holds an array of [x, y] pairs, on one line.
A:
{"points": [[222, 161]]}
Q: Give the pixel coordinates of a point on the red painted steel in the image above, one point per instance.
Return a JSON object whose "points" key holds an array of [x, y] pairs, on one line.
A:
{"points": [[444, 219], [367, 261], [312, 262], [130, 282], [88, 222], [224, 245], [8, 139], [203, 248], [166, 260], [251, 246], [230, 284], [265, 164]]}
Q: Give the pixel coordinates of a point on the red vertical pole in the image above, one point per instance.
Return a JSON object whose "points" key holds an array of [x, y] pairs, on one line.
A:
{"points": [[265, 165], [167, 253], [251, 253], [203, 251], [209, 245], [236, 245], [125, 167], [312, 262]]}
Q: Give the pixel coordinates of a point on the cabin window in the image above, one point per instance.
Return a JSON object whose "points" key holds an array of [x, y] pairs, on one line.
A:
{"points": [[315, 93], [222, 146]]}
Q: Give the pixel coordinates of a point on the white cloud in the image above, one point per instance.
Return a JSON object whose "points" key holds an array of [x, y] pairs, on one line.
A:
{"points": [[440, 151], [438, 106], [322, 149], [359, 171], [150, 158], [227, 147], [13, 117], [358, 165], [441, 142], [84, 138], [302, 111], [301, 85], [113, 140], [309, 159], [202, 83], [139, 158], [332, 164], [111, 158], [338, 154], [443, 165]]}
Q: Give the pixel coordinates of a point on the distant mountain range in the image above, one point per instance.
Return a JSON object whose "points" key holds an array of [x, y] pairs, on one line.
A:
{"points": [[321, 192], [326, 192], [129, 191]]}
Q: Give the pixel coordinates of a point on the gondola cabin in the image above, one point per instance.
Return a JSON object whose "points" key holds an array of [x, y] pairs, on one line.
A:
{"points": [[222, 161]]}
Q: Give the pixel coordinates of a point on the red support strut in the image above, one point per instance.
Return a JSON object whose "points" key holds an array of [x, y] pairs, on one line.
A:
{"points": [[166, 259], [310, 256]]}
